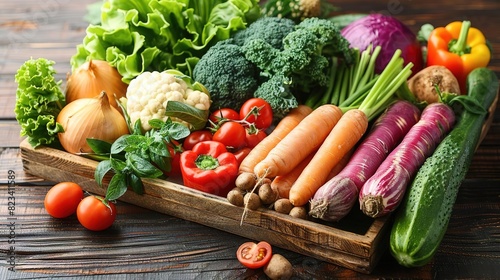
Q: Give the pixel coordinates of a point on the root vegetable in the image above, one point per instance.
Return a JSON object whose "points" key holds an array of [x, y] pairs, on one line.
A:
{"points": [[267, 194], [383, 192], [252, 201], [423, 84], [278, 267], [235, 197], [299, 212], [283, 205], [246, 181], [335, 199]]}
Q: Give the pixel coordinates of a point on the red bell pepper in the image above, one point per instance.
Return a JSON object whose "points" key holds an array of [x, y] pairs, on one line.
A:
{"points": [[209, 167]]}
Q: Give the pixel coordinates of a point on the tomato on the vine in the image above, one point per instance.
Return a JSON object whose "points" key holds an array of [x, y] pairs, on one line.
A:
{"points": [[62, 199], [96, 214], [175, 150], [254, 136], [224, 113], [257, 111], [196, 137], [232, 134], [254, 255]]}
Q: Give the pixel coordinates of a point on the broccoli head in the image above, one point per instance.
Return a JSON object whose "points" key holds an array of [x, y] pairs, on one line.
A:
{"points": [[306, 55], [270, 29], [230, 78]]}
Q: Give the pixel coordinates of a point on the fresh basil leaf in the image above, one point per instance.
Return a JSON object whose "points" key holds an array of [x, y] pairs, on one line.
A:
{"points": [[119, 145], [159, 148], [98, 146], [194, 116], [136, 183], [156, 123], [117, 187], [101, 170], [117, 165], [142, 167]]}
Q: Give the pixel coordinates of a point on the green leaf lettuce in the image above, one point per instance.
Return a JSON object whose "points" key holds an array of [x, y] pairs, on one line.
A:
{"points": [[146, 35], [39, 99]]}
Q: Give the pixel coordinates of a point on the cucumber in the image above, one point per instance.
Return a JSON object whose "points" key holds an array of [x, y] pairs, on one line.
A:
{"points": [[422, 218]]}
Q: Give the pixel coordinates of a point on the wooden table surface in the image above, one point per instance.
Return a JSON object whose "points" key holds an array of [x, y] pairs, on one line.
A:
{"points": [[147, 244]]}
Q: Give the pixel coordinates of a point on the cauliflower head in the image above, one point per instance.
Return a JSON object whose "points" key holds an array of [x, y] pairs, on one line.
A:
{"points": [[149, 93]]}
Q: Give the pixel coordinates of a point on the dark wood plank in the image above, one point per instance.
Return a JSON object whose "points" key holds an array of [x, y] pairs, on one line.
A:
{"points": [[148, 244]]}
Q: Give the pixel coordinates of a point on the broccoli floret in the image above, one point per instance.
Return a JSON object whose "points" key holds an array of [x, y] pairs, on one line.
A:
{"points": [[305, 56], [276, 92], [270, 29], [230, 78]]}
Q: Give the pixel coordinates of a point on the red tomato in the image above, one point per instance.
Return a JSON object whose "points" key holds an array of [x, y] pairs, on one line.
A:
{"points": [[254, 255], [224, 113], [254, 136], [241, 154], [231, 134], [175, 150], [196, 137], [257, 111], [94, 214], [62, 199]]}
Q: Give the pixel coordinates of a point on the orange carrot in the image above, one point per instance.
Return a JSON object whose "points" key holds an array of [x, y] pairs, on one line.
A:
{"points": [[339, 142], [282, 184], [300, 142], [259, 152]]}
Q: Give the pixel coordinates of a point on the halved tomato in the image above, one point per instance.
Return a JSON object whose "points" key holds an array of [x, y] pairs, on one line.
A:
{"points": [[254, 255]]}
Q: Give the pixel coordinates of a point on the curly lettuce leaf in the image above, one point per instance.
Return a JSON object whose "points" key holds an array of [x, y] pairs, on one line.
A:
{"points": [[155, 35], [39, 99]]}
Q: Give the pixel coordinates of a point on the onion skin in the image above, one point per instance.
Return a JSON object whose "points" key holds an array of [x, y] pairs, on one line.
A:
{"points": [[92, 78], [89, 118], [390, 34]]}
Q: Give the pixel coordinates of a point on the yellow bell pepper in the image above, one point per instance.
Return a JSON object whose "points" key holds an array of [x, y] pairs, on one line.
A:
{"points": [[460, 48]]}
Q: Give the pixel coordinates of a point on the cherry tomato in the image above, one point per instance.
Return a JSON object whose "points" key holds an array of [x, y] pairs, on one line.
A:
{"points": [[175, 150], [94, 214], [231, 134], [224, 113], [257, 111], [254, 136], [254, 255], [241, 154], [62, 199], [195, 137]]}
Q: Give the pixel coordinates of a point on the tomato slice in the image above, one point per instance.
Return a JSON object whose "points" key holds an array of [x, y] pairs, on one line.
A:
{"points": [[254, 255]]}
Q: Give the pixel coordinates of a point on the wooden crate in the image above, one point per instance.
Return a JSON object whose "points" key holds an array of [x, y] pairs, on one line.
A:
{"points": [[357, 242]]}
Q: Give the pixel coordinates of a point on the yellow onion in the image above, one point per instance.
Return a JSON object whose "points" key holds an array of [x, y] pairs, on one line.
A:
{"points": [[90, 118], [92, 78]]}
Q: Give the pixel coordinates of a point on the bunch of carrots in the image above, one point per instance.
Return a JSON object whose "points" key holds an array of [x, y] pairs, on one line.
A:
{"points": [[310, 146]]}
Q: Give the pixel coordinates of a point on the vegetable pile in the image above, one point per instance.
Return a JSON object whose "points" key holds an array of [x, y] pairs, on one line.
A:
{"points": [[270, 108]]}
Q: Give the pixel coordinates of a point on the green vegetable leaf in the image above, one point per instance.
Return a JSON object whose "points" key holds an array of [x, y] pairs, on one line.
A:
{"points": [[39, 99], [136, 184], [117, 187], [196, 117], [139, 35], [142, 167], [101, 170], [99, 146]]}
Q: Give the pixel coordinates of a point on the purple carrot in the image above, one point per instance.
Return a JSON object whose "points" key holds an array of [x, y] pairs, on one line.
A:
{"points": [[383, 192], [335, 198]]}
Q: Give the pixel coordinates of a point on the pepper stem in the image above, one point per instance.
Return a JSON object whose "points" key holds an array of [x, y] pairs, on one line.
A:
{"points": [[206, 162], [459, 46]]}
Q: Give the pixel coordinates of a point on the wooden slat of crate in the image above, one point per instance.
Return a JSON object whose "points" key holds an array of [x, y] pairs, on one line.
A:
{"points": [[359, 252]]}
